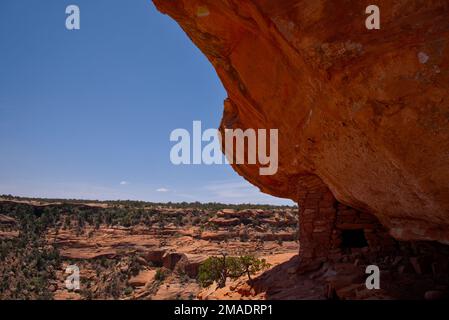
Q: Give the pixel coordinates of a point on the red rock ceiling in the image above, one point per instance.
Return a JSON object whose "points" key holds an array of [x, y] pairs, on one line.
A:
{"points": [[367, 111]]}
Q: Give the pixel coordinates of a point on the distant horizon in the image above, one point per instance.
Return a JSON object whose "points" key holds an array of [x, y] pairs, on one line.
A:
{"points": [[6, 196]]}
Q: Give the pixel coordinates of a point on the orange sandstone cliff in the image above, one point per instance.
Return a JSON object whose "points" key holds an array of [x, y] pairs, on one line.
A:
{"points": [[363, 115]]}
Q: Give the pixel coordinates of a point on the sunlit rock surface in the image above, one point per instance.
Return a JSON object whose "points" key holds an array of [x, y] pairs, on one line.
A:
{"points": [[364, 111]]}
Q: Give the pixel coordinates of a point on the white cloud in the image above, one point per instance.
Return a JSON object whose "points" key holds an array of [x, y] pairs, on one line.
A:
{"points": [[124, 183], [162, 190], [232, 191]]}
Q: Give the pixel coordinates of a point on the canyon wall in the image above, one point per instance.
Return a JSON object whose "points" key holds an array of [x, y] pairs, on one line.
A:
{"points": [[363, 114]]}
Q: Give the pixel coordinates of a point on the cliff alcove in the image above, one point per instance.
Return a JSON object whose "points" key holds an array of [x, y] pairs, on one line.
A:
{"points": [[362, 114]]}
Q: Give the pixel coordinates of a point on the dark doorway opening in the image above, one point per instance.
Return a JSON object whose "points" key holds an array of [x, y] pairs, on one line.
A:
{"points": [[353, 238]]}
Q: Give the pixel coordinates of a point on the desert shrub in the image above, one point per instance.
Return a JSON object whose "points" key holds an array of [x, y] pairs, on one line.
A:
{"points": [[87, 294], [134, 266], [128, 291], [250, 265], [218, 269], [113, 288], [213, 269], [67, 222], [196, 220], [244, 236], [160, 275]]}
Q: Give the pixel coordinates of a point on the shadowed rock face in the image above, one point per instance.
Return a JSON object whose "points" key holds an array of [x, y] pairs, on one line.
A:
{"points": [[364, 112]]}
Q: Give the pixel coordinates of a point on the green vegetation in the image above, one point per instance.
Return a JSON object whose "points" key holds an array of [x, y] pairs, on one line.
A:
{"points": [[29, 259], [218, 269], [28, 265], [161, 274], [65, 214], [111, 276]]}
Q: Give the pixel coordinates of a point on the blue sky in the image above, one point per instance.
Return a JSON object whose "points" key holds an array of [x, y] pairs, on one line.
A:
{"points": [[88, 113]]}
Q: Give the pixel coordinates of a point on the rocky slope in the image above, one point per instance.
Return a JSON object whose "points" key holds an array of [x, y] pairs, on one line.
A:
{"points": [[145, 251], [128, 251], [365, 112]]}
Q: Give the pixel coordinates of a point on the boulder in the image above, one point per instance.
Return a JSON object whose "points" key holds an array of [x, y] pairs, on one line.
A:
{"points": [[225, 222], [228, 213], [7, 220], [142, 278], [191, 264], [171, 259], [278, 236], [155, 256], [217, 235]]}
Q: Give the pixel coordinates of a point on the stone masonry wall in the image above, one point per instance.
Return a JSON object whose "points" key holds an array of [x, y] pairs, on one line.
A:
{"points": [[322, 220]]}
